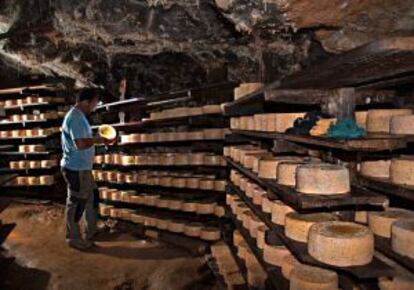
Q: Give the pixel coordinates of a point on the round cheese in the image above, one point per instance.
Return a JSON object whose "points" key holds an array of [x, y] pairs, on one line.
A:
{"points": [[219, 211], [304, 277], [274, 254], [211, 109], [205, 207], [402, 234], [266, 204], [33, 180], [207, 184], [377, 168], [253, 225], [105, 210], [323, 179], [268, 166], [279, 212], [137, 218], [297, 225], [14, 165], [174, 204], [261, 236], [219, 185], [179, 182], [21, 180], [361, 217], [245, 89], [189, 206], [341, 244], [34, 164], [162, 203], [399, 282], [286, 172], [48, 163], [402, 170], [289, 263], [46, 179], [210, 234], [380, 221], [127, 160], [379, 120], [402, 125], [162, 224], [193, 229]]}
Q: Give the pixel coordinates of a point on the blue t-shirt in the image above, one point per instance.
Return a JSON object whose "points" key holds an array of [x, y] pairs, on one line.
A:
{"points": [[76, 126]]}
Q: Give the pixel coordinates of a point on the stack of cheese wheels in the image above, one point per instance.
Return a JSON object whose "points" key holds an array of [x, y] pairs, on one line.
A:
{"points": [[289, 263], [402, 235], [402, 170], [281, 122], [210, 234], [377, 168], [279, 212], [274, 254], [205, 207], [297, 225], [341, 244], [379, 120], [380, 222], [245, 89], [323, 179], [189, 206], [402, 125], [105, 210], [286, 172], [48, 163], [251, 158], [268, 166], [193, 229], [304, 277]]}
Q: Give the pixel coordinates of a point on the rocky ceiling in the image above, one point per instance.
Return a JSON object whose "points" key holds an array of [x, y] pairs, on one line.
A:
{"points": [[159, 45]]}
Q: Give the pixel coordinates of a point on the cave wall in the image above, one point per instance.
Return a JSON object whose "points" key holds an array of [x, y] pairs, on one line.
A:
{"points": [[158, 45]]}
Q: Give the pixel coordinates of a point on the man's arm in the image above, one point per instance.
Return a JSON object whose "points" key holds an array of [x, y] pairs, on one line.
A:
{"points": [[85, 143]]}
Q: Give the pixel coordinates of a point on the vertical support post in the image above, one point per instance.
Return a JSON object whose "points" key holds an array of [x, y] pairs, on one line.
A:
{"points": [[341, 104]]}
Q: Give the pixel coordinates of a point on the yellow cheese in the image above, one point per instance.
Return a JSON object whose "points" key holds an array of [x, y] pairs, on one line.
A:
{"points": [[258, 195], [34, 164], [286, 172], [402, 170], [377, 168], [297, 225], [254, 224], [323, 179], [379, 120], [402, 234], [33, 180], [261, 236], [268, 166], [207, 184], [304, 277], [46, 179], [380, 221], [288, 264], [341, 244], [266, 204], [219, 211], [21, 180], [251, 158], [162, 224], [279, 212], [402, 125], [274, 254]]}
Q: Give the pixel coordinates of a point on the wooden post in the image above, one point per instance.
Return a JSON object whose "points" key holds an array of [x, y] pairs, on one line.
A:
{"points": [[341, 104]]}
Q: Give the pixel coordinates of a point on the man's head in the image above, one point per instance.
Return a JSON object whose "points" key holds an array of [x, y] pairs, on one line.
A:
{"points": [[88, 99]]}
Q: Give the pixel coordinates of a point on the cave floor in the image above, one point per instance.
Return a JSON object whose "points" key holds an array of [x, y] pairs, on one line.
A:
{"points": [[121, 261]]}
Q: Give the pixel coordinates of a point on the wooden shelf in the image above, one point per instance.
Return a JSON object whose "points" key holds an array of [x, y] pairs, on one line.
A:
{"points": [[34, 88], [25, 140], [114, 105], [26, 154], [4, 203], [274, 273], [384, 246], [30, 123], [25, 107], [370, 143], [358, 197], [386, 59], [375, 269], [384, 186], [27, 171]]}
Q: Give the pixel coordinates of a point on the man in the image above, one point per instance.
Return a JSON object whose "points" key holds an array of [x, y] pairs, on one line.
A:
{"points": [[78, 145]]}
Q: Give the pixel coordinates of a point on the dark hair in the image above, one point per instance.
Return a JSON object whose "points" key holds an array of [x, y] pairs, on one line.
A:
{"points": [[88, 95]]}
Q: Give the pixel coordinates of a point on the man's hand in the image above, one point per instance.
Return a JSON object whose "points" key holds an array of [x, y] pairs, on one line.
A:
{"points": [[110, 141]]}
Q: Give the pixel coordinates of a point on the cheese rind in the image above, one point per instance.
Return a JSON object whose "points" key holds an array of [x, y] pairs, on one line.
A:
{"points": [[380, 222], [268, 166], [402, 170], [379, 120], [274, 254], [304, 277], [322, 179], [341, 244], [297, 225], [289, 262], [286, 172], [402, 125], [279, 212], [377, 168], [402, 234]]}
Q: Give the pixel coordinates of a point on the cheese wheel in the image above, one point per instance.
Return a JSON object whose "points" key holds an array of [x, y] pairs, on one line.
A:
{"points": [[220, 185], [253, 225], [46, 179], [215, 134], [297, 225], [304, 277], [137, 218], [256, 277], [261, 236], [150, 221], [33, 180], [205, 207], [323, 179], [258, 195], [279, 212], [174, 204], [21, 180], [179, 182], [283, 122], [267, 204], [104, 209], [193, 229], [402, 170], [211, 109], [341, 244], [399, 282], [34, 164], [361, 217], [37, 148], [14, 165], [250, 158], [288, 264], [48, 163], [380, 221], [162, 224], [162, 203], [189, 206], [402, 125], [286, 172], [219, 211], [402, 234], [274, 254], [377, 168], [207, 184], [210, 234], [268, 166], [128, 160], [379, 120]]}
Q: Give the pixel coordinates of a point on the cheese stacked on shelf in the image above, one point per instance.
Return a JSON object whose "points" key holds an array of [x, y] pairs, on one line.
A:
{"points": [[185, 112], [33, 180], [380, 222], [402, 237], [379, 120], [402, 170], [304, 277], [377, 168], [26, 164], [272, 123]]}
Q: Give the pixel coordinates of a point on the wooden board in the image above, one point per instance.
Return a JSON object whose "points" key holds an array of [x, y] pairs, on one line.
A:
{"points": [[384, 246], [358, 196], [384, 186]]}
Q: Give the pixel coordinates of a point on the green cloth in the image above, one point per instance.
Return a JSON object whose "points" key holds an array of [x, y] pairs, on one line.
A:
{"points": [[345, 129]]}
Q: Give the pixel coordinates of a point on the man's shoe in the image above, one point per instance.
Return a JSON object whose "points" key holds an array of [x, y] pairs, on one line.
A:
{"points": [[80, 244]]}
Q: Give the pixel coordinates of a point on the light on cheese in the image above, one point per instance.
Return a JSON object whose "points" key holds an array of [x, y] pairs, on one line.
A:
{"points": [[268, 166], [380, 221], [286, 172], [279, 212], [379, 120], [323, 179], [289, 263], [193, 229], [304, 277], [210, 234], [297, 225], [261, 236], [274, 254], [341, 244], [402, 170], [377, 168]]}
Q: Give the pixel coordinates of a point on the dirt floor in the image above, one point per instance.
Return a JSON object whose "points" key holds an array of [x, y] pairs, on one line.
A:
{"points": [[120, 262]]}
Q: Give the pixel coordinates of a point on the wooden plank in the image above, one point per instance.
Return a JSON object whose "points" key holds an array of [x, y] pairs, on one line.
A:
{"points": [[317, 97], [375, 269], [358, 197], [384, 246], [374, 62], [19, 90], [384, 186]]}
